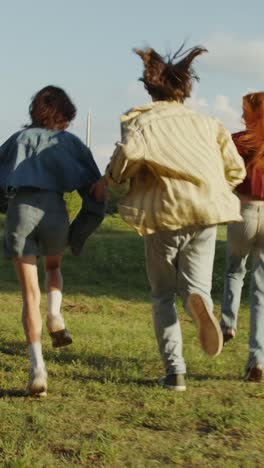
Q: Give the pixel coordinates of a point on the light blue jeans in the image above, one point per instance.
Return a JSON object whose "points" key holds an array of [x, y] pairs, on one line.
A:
{"points": [[243, 239], [177, 262]]}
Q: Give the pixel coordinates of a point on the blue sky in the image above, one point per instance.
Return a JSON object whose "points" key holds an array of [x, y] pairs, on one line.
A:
{"points": [[85, 47]]}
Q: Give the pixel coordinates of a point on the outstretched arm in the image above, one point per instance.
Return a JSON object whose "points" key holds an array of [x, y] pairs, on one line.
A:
{"points": [[126, 161]]}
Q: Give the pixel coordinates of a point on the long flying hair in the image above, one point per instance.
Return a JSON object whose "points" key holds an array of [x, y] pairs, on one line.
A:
{"points": [[169, 78], [253, 139]]}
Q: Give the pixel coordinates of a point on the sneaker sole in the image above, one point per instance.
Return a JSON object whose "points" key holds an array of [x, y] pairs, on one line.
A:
{"points": [[176, 388], [37, 392], [179, 388], [209, 331]]}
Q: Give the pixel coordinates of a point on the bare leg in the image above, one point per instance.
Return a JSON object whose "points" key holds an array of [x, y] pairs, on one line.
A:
{"points": [[54, 280], [26, 268]]}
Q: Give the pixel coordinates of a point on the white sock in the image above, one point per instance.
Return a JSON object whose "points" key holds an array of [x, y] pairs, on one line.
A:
{"points": [[55, 318], [35, 354]]}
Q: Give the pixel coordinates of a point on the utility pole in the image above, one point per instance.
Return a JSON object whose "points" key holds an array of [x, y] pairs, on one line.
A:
{"points": [[88, 129]]}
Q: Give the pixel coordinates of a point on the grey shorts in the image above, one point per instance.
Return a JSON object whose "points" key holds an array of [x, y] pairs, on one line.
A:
{"points": [[37, 223]]}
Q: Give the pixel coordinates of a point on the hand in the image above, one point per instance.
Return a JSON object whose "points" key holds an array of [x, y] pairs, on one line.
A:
{"points": [[99, 189]]}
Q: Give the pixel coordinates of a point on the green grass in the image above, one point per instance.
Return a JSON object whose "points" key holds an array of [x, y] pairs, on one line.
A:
{"points": [[104, 408]]}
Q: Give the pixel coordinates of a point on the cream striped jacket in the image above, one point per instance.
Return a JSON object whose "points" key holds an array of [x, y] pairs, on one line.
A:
{"points": [[182, 167]]}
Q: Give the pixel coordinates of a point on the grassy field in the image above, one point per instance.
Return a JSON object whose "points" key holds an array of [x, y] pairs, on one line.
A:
{"points": [[104, 407]]}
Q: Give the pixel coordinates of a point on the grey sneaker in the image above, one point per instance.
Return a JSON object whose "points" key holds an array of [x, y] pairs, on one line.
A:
{"points": [[209, 331], [173, 382], [37, 385], [254, 373]]}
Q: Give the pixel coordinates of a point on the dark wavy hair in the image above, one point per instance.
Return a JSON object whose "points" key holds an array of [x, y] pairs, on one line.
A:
{"points": [[51, 108], [169, 78]]}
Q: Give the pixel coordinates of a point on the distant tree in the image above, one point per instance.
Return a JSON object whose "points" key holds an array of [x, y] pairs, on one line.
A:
{"points": [[74, 201]]}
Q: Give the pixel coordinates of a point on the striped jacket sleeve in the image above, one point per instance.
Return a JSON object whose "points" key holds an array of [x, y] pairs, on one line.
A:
{"points": [[127, 159]]}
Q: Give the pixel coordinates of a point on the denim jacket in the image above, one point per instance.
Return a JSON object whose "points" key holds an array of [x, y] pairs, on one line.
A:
{"points": [[56, 161], [46, 159]]}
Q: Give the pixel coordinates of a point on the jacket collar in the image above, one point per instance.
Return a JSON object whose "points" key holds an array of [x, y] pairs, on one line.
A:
{"points": [[149, 106]]}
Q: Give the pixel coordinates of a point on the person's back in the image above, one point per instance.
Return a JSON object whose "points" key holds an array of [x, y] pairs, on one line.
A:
{"points": [[51, 159], [247, 239], [37, 165], [182, 167]]}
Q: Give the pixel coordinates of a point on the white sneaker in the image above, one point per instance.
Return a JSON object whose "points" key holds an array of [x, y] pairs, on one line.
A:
{"points": [[37, 385], [209, 331]]}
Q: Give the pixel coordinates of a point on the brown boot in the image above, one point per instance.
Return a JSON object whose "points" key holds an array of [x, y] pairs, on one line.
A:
{"points": [[60, 338]]}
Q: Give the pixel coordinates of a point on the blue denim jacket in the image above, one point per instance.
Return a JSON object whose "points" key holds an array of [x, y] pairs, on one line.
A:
{"points": [[46, 159], [56, 161]]}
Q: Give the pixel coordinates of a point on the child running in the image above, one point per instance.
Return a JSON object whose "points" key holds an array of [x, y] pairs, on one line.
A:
{"points": [[183, 167], [37, 165]]}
